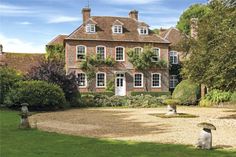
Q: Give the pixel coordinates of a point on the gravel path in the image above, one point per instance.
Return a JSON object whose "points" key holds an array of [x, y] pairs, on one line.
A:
{"points": [[141, 125]]}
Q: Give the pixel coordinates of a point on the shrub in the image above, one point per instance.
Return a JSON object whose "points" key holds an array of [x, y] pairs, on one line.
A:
{"points": [[187, 92], [40, 95], [155, 94], [233, 97], [205, 103], [171, 102], [215, 97], [101, 100], [8, 77], [52, 70]]}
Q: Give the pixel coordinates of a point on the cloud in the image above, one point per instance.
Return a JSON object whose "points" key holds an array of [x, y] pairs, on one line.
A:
{"points": [[25, 23], [133, 2], [63, 19], [20, 46], [8, 10]]}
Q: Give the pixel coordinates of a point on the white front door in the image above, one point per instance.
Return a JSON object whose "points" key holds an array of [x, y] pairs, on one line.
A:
{"points": [[120, 85]]}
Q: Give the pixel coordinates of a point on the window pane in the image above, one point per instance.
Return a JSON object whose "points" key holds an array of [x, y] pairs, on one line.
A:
{"points": [[156, 56], [81, 79], [173, 81], [80, 52], [138, 80], [119, 54], [101, 53], [173, 57], [138, 50], [100, 80], [156, 80]]}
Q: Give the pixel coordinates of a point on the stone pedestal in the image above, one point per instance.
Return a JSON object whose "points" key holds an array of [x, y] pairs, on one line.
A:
{"points": [[171, 110], [24, 121], [205, 139]]}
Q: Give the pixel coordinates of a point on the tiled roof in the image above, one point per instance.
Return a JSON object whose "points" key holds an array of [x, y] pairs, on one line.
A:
{"points": [[172, 34], [57, 40], [104, 31], [21, 61]]}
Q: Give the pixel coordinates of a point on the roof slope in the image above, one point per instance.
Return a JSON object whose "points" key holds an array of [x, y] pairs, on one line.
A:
{"points": [[104, 31], [58, 40], [172, 34], [21, 61]]}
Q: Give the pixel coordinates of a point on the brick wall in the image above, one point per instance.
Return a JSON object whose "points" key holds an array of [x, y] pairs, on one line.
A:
{"points": [[73, 66]]}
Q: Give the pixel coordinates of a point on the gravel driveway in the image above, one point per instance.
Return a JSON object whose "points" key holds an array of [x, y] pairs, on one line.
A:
{"points": [[141, 125]]}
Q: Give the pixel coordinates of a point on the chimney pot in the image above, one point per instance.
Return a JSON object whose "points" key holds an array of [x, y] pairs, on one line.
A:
{"points": [[86, 14], [133, 14]]}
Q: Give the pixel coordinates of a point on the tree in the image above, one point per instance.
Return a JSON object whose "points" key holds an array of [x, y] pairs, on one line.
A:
{"points": [[8, 77], [194, 11], [212, 61], [52, 70], [144, 61], [55, 51]]}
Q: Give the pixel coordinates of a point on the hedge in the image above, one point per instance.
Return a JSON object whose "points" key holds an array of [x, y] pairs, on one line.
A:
{"points": [[187, 92], [155, 94], [40, 95], [99, 93]]}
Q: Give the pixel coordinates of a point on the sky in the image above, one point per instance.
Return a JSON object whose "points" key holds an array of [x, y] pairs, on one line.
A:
{"points": [[26, 26]]}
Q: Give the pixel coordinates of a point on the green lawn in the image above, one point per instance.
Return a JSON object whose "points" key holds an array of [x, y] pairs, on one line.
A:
{"points": [[34, 143]]}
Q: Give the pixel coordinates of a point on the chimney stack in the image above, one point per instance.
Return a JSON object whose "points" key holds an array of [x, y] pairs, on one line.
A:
{"points": [[133, 14], [86, 14], [193, 27]]}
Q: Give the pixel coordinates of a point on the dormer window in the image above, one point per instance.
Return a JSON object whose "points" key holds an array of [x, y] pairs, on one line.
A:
{"points": [[143, 30], [117, 29], [90, 28]]}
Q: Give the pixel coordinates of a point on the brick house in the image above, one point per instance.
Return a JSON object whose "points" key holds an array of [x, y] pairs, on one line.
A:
{"points": [[174, 36], [113, 37]]}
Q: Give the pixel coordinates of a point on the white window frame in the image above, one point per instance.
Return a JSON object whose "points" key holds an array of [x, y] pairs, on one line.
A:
{"points": [[175, 81], [104, 50], [143, 30], [159, 54], [116, 28], [159, 80], [104, 79], [174, 54], [141, 80], [84, 78], [138, 48], [123, 53], [85, 52], [89, 29]]}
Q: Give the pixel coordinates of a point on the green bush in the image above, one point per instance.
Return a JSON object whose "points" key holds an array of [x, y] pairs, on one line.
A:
{"points": [[40, 95], [214, 97], [99, 100], [107, 93], [233, 97], [205, 103], [155, 94], [8, 77], [171, 102], [187, 92]]}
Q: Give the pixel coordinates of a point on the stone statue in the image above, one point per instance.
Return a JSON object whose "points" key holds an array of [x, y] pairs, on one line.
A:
{"points": [[24, 122], [205, 139]]}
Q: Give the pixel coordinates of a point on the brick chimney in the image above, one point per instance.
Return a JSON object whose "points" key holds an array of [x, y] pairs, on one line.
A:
{"points": [[86, 14], [133, 14], [193, 27]]}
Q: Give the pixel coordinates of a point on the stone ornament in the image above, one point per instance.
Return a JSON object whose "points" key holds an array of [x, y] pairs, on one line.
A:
{"points": [[24, 121], [205, 139]]}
